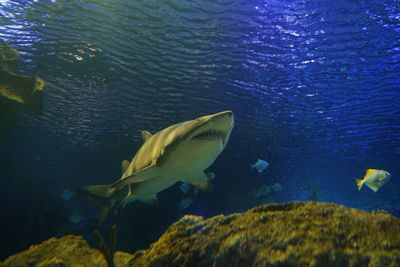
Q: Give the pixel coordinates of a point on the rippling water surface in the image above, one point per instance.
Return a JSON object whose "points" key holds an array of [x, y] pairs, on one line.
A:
{"points": [[314, 85]]}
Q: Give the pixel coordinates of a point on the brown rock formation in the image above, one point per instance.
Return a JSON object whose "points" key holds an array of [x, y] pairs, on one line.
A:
{"points": [[68, 251], [293, 234]]}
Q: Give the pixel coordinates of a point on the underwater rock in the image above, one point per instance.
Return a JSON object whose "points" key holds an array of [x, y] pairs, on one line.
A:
{"points": [[293, 234], [69, 250], [16, 91]]}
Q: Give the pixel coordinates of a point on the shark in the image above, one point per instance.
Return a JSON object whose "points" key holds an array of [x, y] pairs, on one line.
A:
{"points": [[179, 153]]}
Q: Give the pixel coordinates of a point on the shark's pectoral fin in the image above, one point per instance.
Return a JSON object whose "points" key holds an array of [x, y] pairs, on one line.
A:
{"points": [[151, 200], [127, 181], [201, 181], [137, 177]]}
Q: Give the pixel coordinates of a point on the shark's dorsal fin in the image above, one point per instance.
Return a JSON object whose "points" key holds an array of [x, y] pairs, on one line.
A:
{"points": [[146, 135], [125, 165]]}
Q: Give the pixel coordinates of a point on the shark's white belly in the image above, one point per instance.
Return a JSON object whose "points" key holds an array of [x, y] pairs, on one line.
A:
{"points": [[192, 157], [151, 187]]}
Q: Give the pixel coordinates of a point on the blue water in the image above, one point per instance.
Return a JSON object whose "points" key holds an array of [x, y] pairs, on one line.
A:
{"points": [[314, 86]]}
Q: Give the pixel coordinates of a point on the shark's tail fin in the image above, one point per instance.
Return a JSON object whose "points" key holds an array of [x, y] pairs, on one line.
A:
{"points": [[99, 195], [359, 183]]}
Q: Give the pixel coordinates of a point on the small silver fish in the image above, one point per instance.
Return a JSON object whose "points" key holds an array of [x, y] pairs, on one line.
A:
{"points": [[184, 203], [66, 194], [76, 218], [260, 165], [374, 179], [276, 187], [261, 191], [184, 187], [265, 190]]}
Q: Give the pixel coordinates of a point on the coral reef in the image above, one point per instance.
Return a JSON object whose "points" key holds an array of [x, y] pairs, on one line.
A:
{"points": [[292, 234]]}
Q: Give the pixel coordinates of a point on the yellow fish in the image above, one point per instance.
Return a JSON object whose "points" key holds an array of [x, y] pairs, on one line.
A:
{"points": [[374, 179]]}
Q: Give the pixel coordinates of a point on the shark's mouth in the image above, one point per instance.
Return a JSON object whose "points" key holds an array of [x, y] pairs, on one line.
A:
{"points": [[210, 135]]}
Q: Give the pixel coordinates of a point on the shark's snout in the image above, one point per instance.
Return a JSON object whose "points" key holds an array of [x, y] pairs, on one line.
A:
{"points": [[226, 113]]}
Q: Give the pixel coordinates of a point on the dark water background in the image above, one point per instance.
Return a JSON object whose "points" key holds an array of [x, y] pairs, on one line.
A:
{"points": [[314, 85]]}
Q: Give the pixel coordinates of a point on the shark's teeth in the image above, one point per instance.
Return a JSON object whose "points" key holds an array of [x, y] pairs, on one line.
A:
{"points": [[210, 135]]}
